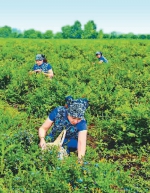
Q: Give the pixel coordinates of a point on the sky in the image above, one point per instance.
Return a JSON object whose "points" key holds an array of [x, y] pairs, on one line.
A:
{"points": [[122, 16]]}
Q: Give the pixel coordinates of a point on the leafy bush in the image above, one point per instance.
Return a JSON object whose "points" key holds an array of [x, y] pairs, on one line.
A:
{"points": [[118, 116]]}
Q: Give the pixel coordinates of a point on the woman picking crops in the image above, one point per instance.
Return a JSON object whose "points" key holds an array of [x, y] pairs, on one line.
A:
{"points": [[71, 118], [101, 58], [42, 66]]}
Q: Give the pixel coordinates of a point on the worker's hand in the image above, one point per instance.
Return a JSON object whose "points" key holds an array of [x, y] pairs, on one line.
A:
{"points": [[38, 70], [80, 161], [31, 72], [42, 143]]}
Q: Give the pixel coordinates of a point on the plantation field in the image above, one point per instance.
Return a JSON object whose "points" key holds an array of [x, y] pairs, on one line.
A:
{"points": [[118, 144]]}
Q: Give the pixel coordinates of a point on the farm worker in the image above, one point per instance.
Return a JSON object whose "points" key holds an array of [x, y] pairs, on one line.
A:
{"points": [[101, 58], [42, 66], [71, 118]]}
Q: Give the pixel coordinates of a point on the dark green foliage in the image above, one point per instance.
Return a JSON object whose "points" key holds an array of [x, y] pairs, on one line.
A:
{"points": [[118, 115]]}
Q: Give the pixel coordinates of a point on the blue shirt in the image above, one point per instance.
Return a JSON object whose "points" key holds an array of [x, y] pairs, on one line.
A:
{"points": [[103, 59], [61, 122], [45, 67]]}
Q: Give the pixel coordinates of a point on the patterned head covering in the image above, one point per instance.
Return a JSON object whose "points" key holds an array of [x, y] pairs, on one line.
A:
{"points": [[98, 53], [76, 108], [39, 57]]}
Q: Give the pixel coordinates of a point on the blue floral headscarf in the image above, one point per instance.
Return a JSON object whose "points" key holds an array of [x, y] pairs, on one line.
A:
{"points": [[76, 108], [39, 57]]}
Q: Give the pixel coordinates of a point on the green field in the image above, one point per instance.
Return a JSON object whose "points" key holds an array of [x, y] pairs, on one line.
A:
{"points": [[118, 148]]}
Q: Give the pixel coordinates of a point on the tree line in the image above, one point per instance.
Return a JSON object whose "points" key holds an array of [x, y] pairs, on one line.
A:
{"points": [[69, 32]]}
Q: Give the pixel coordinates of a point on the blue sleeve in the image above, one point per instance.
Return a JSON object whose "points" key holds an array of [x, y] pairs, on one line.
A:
{"points": [[53, 114], [101, 58], [49, 67], [34, 67], [82, 125]]}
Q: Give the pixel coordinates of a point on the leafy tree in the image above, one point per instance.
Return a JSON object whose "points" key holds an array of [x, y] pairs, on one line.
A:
{"points": [[121, 36], [5, 31], [31, 33], [66, 31], [106, 36], [113, 35], [89, 31], [58, 35], [148, 36], [76, 30], [129, 35], [48, 34], [142, 36], [14, 35], [20, 35], [39, 34], [100, 34], [134, 36], [27, 33]]}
